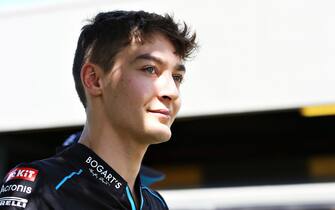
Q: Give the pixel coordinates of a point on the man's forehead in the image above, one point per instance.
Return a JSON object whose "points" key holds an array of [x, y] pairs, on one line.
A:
{"points": [[156, 48], [156, 42]]}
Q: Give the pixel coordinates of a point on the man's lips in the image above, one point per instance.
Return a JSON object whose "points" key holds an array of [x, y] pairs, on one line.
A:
{"points": [[161, 111]]}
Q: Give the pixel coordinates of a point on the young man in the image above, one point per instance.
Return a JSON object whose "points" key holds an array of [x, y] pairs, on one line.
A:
{"points": [[127, 69]]}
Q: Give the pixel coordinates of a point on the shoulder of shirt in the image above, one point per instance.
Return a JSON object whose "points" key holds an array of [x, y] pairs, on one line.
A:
{"points": [[23, 187], [30, 185], [37, 174]]}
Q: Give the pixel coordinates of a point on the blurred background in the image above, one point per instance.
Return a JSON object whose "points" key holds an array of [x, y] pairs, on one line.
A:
{"points": [[257, 126]]}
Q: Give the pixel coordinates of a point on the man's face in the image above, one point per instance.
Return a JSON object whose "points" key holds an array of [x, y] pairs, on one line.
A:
{"points": [[141, 92]]}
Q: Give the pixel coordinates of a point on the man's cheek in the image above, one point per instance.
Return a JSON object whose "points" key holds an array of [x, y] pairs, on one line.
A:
{"points": [[177, 106]]}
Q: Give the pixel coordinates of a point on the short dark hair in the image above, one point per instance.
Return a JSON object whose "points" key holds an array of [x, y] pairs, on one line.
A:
{"points": [[109, 32]]}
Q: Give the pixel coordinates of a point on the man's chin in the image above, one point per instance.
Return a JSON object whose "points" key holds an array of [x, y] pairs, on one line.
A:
{"points": [[161, 138], [159, 134]]}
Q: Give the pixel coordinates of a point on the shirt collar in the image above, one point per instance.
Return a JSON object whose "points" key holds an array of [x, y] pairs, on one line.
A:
{"points": [[95, 167]]}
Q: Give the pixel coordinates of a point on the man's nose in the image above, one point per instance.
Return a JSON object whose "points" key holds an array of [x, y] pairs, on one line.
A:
{"points": [[168, 89]]}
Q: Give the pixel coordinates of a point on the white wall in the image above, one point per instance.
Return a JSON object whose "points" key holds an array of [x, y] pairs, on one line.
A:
{"points": [[298, 196], [254, 55]]}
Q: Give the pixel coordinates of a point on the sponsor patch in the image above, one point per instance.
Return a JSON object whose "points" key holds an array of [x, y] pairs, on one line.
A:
{"points": [[15, 188], [13, 201], [99, 172], [28, 174]]}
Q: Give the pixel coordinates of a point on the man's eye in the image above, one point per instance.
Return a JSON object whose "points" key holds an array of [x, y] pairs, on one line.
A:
{"points": [[150, 69], [178, 78]]}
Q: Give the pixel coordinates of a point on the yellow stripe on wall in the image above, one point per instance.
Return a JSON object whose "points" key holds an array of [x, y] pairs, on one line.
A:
{"points": [[316, 111]]}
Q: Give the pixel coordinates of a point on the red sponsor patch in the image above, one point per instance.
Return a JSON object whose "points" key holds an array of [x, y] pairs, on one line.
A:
{"points": [[28, 174]]}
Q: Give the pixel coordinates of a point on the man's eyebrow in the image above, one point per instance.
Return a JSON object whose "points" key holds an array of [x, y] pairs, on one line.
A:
{"points": [[147, 56]]}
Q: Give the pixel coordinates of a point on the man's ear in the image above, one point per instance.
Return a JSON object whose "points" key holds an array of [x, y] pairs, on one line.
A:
{"points": [[91, 78]]}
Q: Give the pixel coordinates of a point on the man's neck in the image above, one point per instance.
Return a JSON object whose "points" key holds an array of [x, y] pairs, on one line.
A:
{"points": [[124, 155]]}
